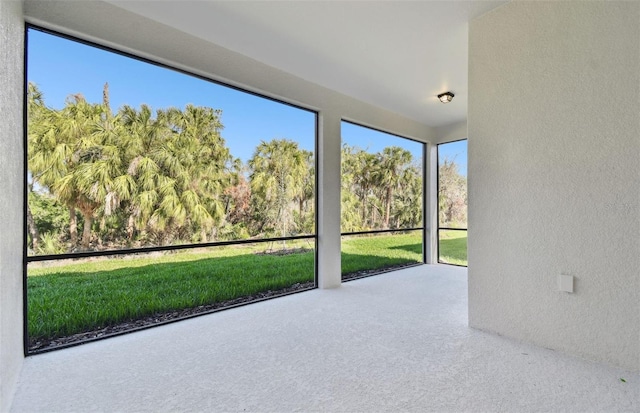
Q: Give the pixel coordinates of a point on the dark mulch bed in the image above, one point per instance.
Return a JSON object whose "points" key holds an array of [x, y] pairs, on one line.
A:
{"points": [[287, 251], [366, 273], [43, 345]]}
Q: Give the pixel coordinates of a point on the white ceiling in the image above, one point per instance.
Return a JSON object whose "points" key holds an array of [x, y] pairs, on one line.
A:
{"points": [[393, 54]]}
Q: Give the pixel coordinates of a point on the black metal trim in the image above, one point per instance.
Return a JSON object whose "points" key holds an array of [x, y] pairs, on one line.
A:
{"points": [[424, 189], [425, 197], [457, 140], [27, 259], [454, 265], [25, 194], [381, 131], [382, 271], [438, 202], [185, 72], [316, 201], [380, 231], [35, 258]]}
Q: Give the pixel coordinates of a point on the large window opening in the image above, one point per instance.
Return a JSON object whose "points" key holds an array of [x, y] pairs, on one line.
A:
{"points": [[154, 195], [381, 201], [452, 203]]}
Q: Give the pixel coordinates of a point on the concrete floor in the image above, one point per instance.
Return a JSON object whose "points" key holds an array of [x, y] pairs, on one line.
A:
{"points": [[393, 342]]}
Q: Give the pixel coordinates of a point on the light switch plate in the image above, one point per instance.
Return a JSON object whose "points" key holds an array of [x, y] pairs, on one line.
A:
{"points": [[565, 283]]}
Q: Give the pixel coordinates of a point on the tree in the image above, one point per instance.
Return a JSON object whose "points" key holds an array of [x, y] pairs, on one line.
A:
{"points": [[179, 163], [135, 173], [392, 163], [91, 185], [36, 112], [407, 202], [385, 187], [277, 175], [50, 220], [237, 199], [350, 217], [237, 196], [62, 145], [304, 215], [141, 137], [196, 161], [452, 195], [366, 166]]}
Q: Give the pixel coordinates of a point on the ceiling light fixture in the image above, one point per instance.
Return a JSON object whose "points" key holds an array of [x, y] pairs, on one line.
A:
{"points": [[446, 97]]}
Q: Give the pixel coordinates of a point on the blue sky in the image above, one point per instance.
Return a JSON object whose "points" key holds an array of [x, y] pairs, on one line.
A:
{"points": [[375, 141], [61, 67], [454, 151]]}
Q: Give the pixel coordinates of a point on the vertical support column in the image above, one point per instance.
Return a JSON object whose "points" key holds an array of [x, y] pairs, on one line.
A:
{"points": [[431, 207], [328, 193], [11, 197]]}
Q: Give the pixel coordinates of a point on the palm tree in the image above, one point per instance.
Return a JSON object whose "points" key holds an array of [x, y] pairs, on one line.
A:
{"points": [[75, 154], [393, 161], [194, 170], [351, 218], [365, 179], [278, 168], [141, 138], [180, 166], [407, 202], [305, 196], [162, 173], [88, 185], [54, 150], [36, 112]]}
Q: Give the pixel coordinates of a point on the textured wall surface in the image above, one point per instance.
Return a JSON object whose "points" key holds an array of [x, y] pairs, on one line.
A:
{"points": [[554, 176], [453, 132], [11, 195]]}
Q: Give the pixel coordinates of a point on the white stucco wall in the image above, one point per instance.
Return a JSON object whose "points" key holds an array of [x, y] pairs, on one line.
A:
{"points": [[453, 132], [554, 176], [11, 197]]}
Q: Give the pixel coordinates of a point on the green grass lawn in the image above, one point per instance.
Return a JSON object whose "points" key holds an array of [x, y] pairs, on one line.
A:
{"points": [[94, 293], [453, 247], [75, 298], [379, 251]]}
